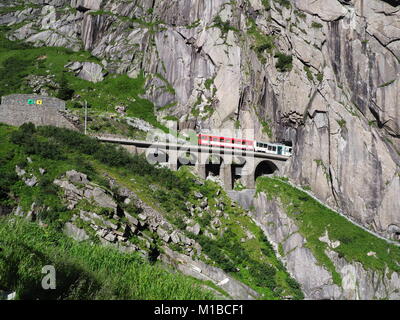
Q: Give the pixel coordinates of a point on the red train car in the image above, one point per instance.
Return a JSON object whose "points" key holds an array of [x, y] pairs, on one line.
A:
{"points": [[224, 142]]}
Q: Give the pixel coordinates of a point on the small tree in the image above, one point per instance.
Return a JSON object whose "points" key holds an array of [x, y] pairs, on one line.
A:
{"points": [[65, 92]]}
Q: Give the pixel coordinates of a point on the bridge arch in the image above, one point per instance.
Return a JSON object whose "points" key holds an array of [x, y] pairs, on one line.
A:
{"points": [[155, 155], [265, 168], [187, 158], [213, 165]]}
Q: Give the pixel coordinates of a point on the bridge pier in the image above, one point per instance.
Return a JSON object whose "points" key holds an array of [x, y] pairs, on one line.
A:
{"points": [[173, 166], [201, 170], [248, 181], [226, 176], [248, 166]]}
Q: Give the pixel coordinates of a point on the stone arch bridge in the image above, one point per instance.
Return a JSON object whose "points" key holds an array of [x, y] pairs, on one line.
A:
{"points": [[228, 164]]}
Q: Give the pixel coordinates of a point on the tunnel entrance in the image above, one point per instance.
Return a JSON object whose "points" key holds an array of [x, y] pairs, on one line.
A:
{"points": [[265, 168]]}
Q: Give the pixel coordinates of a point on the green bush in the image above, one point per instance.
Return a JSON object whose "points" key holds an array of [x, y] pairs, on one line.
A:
{"points": [[284, 63], [316, 25], [65, 92], [224, 26], [266, 4], [314, 220]]}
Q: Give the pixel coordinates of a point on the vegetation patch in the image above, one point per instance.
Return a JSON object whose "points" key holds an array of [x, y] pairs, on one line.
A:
{"points": [[284, 63], [251, 261], [262, 43], [224, 26], [19, 60], [84, 271], [314, 220]]}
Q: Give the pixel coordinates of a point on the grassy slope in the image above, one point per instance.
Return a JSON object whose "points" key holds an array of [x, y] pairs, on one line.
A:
{"points": [[18, 60], [314, 220], [83, 271], [58, 150]]}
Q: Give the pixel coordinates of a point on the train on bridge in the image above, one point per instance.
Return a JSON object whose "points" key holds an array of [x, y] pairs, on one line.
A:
{"points": [[244, 144]]}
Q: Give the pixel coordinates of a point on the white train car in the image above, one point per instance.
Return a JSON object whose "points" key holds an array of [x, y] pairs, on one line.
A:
{"points": [[279, 149]]}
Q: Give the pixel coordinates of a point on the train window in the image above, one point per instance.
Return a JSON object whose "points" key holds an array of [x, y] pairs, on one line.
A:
{"points": [[215, 139], [222, 139], [228, 140]]}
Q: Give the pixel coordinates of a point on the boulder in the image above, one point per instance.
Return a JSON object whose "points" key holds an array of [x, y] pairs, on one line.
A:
{"points": [[92, 72], [76, 177], [121, 110], [216, 223], [74, 66], [110, 237], [101, 198], [198, 195], [76, 233], [163, 235], [196, 229], [31, 182], [132, 220], [204, 203], [175, 237], [20, 172]]}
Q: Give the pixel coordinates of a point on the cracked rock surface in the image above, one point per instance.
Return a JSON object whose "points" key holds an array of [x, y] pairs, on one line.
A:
{"points": [[338, 101]]}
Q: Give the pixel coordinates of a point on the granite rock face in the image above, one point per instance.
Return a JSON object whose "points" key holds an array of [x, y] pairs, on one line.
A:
{"points": [[214, 64], [357, 282]]}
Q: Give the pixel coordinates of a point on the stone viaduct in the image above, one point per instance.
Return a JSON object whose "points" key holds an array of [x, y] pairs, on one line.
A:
{"points": [[228, 164]]}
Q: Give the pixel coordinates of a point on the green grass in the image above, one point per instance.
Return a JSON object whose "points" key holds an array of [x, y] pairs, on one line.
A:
{"points": [[316, 25], [341, 123], [284, 62], [18, 60], [266, 4], [224, 26], [284, 3], [83, 271], [314, 219], [266, 128], [58, 150], [15, 8], [262, 43]]}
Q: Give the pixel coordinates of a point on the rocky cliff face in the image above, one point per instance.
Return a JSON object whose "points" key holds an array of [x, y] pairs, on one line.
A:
{"points": [[357, 282], [323, 75]]}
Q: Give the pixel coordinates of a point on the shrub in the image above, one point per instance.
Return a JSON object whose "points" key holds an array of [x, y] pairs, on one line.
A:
{"points": [[316, 25], [224, 26], [65, 92], [266, 4], [284, 63]]}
